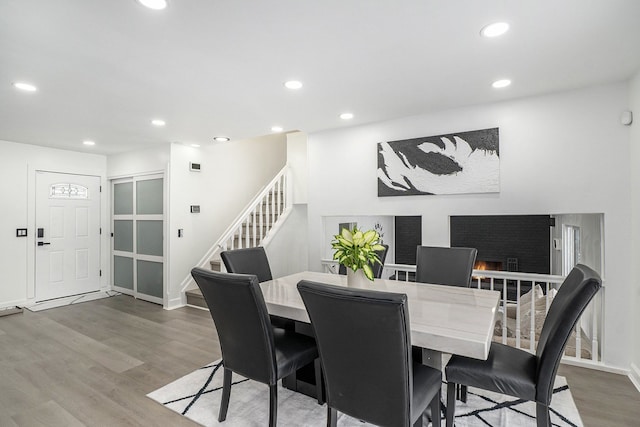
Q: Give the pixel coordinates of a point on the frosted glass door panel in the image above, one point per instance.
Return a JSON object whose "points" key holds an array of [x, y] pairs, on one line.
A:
{"points": [[123, 235], [149, 238], [123, 198], [149, 197], [150, 278], [123, 272]]}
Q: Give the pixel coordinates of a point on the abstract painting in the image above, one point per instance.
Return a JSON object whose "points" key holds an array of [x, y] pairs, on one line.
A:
{"points": [[456, 163]]}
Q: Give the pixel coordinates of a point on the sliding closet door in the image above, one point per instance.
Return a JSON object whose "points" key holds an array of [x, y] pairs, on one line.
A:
{"points": [[138, 237]]}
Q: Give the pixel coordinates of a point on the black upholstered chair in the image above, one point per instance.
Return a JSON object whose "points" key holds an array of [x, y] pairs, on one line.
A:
{"points": [[518, 373], [250, 345], [253, 261], [445, 266], [364, 343], [248, 261], [377, 268]]}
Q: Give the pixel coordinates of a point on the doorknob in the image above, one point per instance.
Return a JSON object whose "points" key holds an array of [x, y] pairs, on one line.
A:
{"points": [[43, 243]]}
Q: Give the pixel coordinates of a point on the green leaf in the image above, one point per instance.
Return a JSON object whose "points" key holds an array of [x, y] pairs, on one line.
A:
{"points": [[368, 272]]}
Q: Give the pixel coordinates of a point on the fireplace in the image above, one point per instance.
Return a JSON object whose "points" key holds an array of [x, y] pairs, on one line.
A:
{"points": [[488, 265], [518, 243]]}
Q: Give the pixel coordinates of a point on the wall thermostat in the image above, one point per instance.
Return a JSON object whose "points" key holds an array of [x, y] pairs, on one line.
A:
{"points": [[194, 167], [195, 208]]}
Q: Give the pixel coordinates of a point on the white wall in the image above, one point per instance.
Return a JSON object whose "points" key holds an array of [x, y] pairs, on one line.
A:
{"points": [[634, 105], [232, 174], [564, 152], [18, 163], [298, 164], [288, 249]]}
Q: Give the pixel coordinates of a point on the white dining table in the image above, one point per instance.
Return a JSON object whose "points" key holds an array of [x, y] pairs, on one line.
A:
{"points": [[443, 319]]}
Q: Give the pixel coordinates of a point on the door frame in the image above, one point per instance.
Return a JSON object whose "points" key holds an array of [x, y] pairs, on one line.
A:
{"points": [[134, 178], [45, 166], [45, 204]]}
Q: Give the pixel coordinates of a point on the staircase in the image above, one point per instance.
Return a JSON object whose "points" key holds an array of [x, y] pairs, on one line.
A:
{"points": [[253, 227]]}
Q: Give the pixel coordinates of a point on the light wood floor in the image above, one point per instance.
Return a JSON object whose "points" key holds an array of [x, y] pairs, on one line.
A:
{"points": [[93, 364]]}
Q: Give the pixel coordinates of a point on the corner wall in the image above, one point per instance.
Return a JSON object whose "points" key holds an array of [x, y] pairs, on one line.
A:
{"points": [[560, 153], [232, 174], [634, 129]]}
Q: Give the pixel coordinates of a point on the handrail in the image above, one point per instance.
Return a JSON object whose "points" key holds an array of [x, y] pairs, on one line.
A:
{"points": [[257, 199], [271, 201]]}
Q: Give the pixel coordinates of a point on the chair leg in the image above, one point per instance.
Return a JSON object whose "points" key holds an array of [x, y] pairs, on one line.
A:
{"points": [[451, 403], [435, 410], [332, 417], [319, 381], [226, 393], [543, 418], [463, 393], [273, 404]]}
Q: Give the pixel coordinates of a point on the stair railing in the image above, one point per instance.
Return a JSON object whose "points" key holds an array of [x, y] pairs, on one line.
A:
{"points": [[252, 226]]}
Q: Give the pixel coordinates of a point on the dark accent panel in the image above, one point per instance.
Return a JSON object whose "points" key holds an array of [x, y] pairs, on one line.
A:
{"points": [[408, 236], [513, 240]]}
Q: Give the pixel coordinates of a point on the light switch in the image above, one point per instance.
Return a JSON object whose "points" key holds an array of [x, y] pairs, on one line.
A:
{"points": [[21, 232]]}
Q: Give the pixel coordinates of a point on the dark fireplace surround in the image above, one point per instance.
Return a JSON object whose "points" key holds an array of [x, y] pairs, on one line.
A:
{"points": [[519, 243]]}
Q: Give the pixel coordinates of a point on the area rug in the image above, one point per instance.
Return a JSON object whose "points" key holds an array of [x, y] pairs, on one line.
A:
{"points": [[197, 397]]}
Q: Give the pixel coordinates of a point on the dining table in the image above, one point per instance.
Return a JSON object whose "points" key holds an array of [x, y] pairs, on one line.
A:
{"points": [[443, 319]]}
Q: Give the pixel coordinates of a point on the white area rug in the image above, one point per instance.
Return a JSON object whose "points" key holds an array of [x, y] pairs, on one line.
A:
{"points": [[197, 397]]}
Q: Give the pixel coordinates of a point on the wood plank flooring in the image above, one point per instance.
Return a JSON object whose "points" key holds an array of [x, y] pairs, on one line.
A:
{"points": [[92, 364]]}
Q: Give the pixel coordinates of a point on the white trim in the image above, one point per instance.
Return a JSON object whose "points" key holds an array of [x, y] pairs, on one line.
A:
{"points": [[634, 376], [598, 366]]}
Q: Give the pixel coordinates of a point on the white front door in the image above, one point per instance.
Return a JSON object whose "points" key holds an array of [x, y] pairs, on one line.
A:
{"points": [[67, 235]]}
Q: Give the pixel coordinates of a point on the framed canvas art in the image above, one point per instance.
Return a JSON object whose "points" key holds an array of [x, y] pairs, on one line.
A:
{"points": [[455, 163]]}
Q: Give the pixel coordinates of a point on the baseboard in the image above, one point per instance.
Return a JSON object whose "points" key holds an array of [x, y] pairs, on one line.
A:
{"points": [[585, 363], [174, 303], [634, 376]]}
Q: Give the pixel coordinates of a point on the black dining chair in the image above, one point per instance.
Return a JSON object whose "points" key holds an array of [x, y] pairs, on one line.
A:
{"points": [[250, 345], [445, 266], [377, 268], [253, 261], [364, 343], [248, 261], [518, 373]]}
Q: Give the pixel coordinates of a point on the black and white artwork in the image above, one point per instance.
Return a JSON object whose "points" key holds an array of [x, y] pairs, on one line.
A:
{"points": [[456, 163]]}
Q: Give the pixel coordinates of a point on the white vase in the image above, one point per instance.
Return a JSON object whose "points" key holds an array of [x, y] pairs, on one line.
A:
{"points": [[357, 279]]}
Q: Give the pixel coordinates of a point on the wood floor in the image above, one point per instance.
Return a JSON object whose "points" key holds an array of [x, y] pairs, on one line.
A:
{"points": [[93, 364]]}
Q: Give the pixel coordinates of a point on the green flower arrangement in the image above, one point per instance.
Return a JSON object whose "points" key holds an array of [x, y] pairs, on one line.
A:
{"points": [[357, 250]]}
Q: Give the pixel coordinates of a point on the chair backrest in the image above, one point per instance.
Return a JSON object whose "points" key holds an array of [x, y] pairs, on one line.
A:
{"points": [[248, 261], [240, 315], [445, 266], [377, 268], [365, 349], [575, 293]]}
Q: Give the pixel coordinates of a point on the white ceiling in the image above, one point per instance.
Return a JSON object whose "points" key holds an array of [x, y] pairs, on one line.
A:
{"points": [[105, 68]]}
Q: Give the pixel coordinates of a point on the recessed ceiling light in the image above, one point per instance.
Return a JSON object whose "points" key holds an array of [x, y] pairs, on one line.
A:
{"points": [[346, 116], [494, 30], [293, 84], [158, 122], [277, 129], [154, 4], [27, 87], [195, 145], [88, 143], [498, 84], [221, 139]]}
